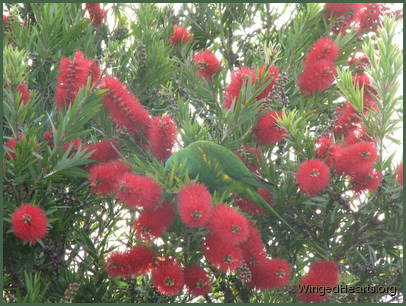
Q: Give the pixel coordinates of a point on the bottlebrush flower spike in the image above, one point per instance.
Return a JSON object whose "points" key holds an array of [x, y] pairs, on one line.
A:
{"points": [[399, 174], [124, 108], [161, 135], [103, 178], [29, 223], [138, 191], [312, 176], [180, 35], [117, 265], [339, 9], [241, 76], [356, 134], [253, 249], [317, 77], [323, 49], [153, 222], [208, 63], [25, 94], [370, 17], [72, 76], [359, 62], [346, 118], [250, 156], [168, 277], [196, 280], [105, 150], [355, 159], [270, 274], [322, 273], [140, 259], [195, 205], [228, 224], [366, 182], [267, 131], [222, 255], [323, 146], [96, 13], [248, 206]]}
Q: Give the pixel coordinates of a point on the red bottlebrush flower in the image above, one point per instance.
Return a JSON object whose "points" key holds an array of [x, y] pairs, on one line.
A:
{"points": [[137, 190], [103, 178], [312, 176], [105, 150], [196, 280], [49, 138], [356, 134], [180, 35], [11, 145], [317, 77], [195, 205], [72, 76], [366, 182], [370, 17], [228, 224], [168, 277], [355, 159], [208, 63], [339, 9], [96, 13], [346, 118], [253, 249], [267, 131], [250, 156], [124, 108], [323, 49], [267, 196], [322, 273], [222, 255], [399, 174], [161, 136], [25, 94], [29, 223], [270, 274], [153, 222], [140, 259], [323, 146], [241, 76], [117, 265]]}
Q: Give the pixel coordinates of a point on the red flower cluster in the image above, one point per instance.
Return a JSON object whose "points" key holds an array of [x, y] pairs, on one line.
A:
{"points": [[241, 76], [105, 150], [103, 178], [168, 277], [180, 35], [227, 224], [362, 80], [72, 76], [154, 221], [270, 274], [134, 261], [208, 64], [267, 131], [252, 208], [161, 135], [312, 176], [349, 11], [25, 94], [124, 108], [196, 280], [319, 70], [138, 191], [359, 62], [253, 249], [322, 273], [96, 13], [195, 205], [29, 223], [370, 16], [399, 174], [222, 255]]}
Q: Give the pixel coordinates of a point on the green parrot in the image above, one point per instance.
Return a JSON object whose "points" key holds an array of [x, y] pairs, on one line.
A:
{"points": [[221, 170]]}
